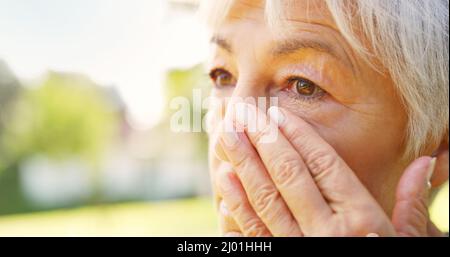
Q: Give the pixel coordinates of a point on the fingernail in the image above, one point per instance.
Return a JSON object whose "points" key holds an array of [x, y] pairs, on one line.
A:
{"points": [[431, 167], [241, 112], [276, 115], [224, 209], [229, 135]]}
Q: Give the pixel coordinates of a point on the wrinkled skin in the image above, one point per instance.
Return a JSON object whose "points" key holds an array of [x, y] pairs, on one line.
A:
{"points": [[353, 120]]}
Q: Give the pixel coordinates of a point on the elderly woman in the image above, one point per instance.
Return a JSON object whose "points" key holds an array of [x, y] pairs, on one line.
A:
{"points": [[360, 121]]}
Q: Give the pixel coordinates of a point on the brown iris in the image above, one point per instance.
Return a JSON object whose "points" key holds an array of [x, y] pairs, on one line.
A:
{"points": [[222, 78], [304, 87]]}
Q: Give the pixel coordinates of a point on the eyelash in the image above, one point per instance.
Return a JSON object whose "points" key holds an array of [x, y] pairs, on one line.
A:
{"points": [[213, 74], [318, 92], [287, 85]]}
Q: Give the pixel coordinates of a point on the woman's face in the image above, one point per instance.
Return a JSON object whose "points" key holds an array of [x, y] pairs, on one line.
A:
{"points": [[317, 76]]}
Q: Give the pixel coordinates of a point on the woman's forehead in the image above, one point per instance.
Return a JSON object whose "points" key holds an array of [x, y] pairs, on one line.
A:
{"points": [[279, 14], [309, 27]]}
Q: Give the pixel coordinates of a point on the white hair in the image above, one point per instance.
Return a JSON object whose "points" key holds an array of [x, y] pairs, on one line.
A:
{"points": [[409, 38]]}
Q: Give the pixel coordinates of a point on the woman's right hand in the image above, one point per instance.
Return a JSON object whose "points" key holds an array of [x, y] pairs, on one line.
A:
{"points": [[228, 225], [405, 218], [410, 201]]}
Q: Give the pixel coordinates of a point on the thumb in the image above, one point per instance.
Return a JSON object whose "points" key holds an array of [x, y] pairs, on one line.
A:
{"points": [[410, 215]]}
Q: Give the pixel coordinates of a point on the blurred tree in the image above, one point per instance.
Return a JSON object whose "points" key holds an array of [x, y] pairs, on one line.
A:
{"points": [[182, 83], [67, 115], [9, 91]]}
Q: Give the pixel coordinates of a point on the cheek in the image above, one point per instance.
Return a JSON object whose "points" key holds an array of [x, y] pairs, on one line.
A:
{"points": [[370, 147], [369, 138], [373, 147]]}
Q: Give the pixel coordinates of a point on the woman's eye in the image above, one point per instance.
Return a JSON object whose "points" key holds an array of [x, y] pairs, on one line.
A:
{"points": [[222, 78], [305, 88]]}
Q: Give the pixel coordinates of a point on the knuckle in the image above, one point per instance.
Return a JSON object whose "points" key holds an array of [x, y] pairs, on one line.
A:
{"points": [[232, 234], [284, 169], [363, 224], [254, 228], [264, 199], [321, 162], [295, 134], [243, 162], [262, 134], [250, 226], [419, 203], [236, 207], [354, 225]]}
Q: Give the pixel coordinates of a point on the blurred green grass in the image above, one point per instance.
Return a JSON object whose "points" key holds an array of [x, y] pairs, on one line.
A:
{"points": [[188, 217], [439, 210]]}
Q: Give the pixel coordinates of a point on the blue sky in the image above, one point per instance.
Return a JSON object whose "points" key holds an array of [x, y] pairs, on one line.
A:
{"points": [[127, 43]]}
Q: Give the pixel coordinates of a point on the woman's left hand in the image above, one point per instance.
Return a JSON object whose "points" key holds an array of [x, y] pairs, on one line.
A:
{"points": [[295, 184]]}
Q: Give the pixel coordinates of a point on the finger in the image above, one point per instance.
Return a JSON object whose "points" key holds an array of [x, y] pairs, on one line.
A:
{"points": [[238, 206], [286, 168], [227, 222], [433, 231], [216, 115], [441, 174], [219, 152], [219, 166], [410, 214], [234, 234], [260, 190], [335, 180], [217, 148]]}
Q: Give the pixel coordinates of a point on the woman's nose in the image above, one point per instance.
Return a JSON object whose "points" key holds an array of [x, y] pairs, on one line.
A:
{"points": [[251, 90]]}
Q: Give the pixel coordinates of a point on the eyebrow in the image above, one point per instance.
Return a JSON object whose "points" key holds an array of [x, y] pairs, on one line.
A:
{"points": [[291, 46], [294, 45], [222, 42]]}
